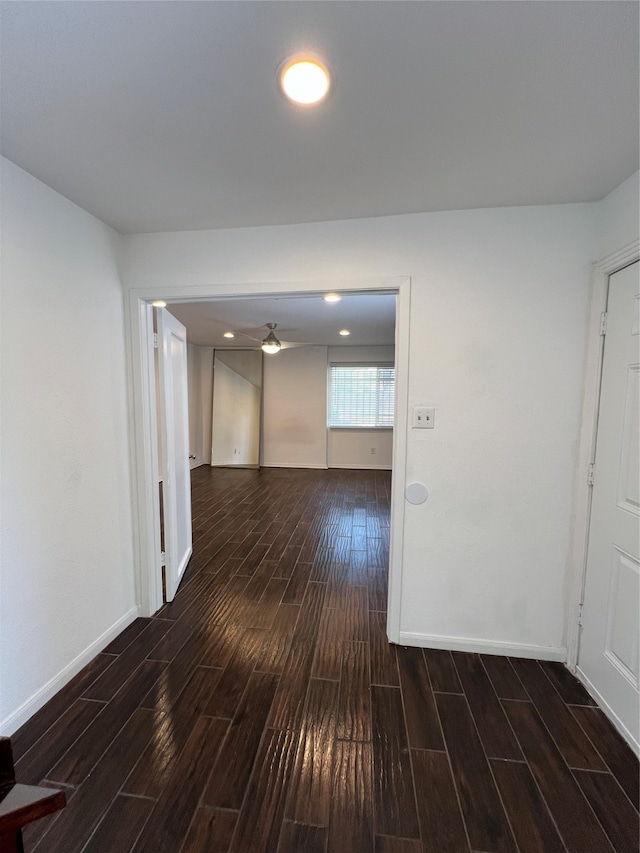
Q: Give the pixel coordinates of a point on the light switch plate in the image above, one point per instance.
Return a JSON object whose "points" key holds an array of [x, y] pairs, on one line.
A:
{"points": [[423, 417]]}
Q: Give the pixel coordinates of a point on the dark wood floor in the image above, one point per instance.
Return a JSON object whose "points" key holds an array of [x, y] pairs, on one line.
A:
{"points": [[264, 710]]}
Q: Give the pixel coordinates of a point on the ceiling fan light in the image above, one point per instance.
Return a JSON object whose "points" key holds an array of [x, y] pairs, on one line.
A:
{"points": [[271, 345]]}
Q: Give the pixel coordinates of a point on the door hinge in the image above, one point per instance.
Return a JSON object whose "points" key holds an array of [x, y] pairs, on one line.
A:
{"points": [[155, 340], [580, 615], [591, 474], [163, 559], [603, 323]]}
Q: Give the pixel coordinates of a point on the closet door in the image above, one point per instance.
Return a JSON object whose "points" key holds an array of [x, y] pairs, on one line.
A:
{"points": [[237, 405]]}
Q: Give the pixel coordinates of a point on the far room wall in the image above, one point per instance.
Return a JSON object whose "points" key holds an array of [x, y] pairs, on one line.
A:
{"points": [[294, 432]]}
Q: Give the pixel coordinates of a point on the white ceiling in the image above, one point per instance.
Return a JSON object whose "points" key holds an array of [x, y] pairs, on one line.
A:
{"points": [[303, 319], [166, 116]]}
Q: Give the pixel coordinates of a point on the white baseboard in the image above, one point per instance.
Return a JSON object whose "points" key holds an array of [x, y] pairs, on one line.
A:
{"points": [[244, 465], [292, 465], [326, 467], [485, 647], [608, 710], [363, 467], [13, 722]]}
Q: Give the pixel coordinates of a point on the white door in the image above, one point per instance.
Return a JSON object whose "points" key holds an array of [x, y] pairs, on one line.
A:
{"points": [[608, 655], [174, 440]]}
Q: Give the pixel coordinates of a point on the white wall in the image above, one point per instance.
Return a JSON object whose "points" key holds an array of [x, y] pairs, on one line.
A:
{"points": [[360, 448], [295, 433], [200, 379], [499, 306], [294, 425], [67, 576], [617, 218]]}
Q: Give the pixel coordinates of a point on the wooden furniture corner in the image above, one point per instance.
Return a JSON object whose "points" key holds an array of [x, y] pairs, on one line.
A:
{"points": [[21, 804]]}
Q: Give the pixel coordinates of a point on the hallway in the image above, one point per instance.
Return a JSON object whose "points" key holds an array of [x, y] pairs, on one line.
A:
{"points": [[264, 710]]}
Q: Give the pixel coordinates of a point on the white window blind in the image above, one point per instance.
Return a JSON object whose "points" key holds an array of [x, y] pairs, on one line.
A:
{"points": [[361, 395]]}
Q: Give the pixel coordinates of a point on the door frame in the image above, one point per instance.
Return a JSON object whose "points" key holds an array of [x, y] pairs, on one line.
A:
{"points": [[143, 440], [600, 272]]}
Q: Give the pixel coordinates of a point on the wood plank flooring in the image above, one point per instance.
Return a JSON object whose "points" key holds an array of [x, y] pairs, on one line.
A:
{"points": [[264, 711]]}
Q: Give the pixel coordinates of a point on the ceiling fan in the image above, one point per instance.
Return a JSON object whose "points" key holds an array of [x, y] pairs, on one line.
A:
{"points": [[270, 344]]}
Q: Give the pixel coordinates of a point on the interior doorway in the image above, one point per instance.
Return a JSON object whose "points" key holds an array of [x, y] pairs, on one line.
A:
{"points": [[145, 429]]}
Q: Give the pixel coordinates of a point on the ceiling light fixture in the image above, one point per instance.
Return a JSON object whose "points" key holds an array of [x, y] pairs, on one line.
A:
{"points": [[159, 303], [228, 335], [332, 297], [304, 81], [271, 345], [344, 332]]}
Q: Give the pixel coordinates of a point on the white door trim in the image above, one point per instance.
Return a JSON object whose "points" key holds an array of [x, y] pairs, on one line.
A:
{"points": [[143, 440], [143, 443], [399, 461], [601, 270]]}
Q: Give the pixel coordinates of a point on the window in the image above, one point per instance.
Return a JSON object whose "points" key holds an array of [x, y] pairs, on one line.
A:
{"points": [[361, 395]]}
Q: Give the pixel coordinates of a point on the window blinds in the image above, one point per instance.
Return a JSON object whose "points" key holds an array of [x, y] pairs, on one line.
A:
{"points": [[361, 395]]}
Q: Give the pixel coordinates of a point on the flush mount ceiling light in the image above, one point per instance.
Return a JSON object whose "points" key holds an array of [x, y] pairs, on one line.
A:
{"points": [[304, 81], [271, 345], [332, 297], [228, 335], [344, 332], [159, 303]]}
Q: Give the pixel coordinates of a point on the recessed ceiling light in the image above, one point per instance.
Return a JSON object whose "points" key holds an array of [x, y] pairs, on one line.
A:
{"points": [[304, 81], [332, 297], [228, 335], [159, 303], [344, 332]]}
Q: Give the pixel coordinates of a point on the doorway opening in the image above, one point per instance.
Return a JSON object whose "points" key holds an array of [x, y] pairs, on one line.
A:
{"points": [[146, 501]]}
